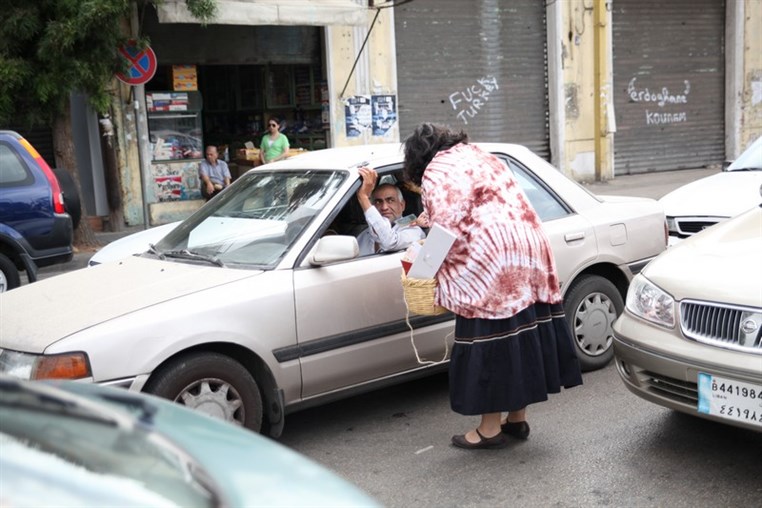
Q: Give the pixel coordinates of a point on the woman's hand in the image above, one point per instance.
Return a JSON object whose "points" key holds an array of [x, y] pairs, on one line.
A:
{"points": [[422, 221]]}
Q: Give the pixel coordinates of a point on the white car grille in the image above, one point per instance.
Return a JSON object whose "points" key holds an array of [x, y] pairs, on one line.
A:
{"points": [[725, 326], [688, 227]]}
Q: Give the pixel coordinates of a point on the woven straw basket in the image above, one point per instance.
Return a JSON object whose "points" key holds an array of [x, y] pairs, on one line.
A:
{"points": [[419, 296]]}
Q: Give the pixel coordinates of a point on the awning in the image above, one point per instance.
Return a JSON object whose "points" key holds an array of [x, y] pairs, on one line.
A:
{"points": [[273, 12]]}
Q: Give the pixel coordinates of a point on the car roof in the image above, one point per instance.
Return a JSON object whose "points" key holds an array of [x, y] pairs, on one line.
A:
{"points": [[344, 157], [375, 155], [12, 134]]}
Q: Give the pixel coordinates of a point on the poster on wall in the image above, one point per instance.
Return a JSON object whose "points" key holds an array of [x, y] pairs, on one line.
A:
{"points": [[176, 182], [357, 112], [169, 188], [384, 113]]}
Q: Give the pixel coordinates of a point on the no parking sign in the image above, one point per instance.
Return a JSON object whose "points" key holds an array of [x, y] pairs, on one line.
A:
{"points": [[141, 61]]}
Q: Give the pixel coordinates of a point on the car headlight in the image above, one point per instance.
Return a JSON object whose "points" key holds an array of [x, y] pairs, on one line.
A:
{"points": [[646, 300], [31, 366]]}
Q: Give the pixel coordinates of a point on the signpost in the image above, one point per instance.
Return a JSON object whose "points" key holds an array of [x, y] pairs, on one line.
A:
{"points": [[142, 63]]}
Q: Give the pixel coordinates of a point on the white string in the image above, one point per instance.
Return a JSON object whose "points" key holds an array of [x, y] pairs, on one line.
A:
{"points": [[412, 339]]}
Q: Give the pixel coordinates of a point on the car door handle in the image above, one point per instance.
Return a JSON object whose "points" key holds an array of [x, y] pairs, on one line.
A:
{"points": [[573, 237]]}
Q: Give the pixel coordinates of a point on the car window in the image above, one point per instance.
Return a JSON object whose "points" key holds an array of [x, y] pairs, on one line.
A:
{"points": [[544, 202], [255, 221], [351, 220], [13, 172]]}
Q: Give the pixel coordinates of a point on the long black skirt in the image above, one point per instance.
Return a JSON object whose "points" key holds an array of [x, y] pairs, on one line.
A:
{"points": [[502, 365]]}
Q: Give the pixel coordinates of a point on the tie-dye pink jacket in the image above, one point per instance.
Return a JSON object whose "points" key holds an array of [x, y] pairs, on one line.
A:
{"points": [[501, 262]]}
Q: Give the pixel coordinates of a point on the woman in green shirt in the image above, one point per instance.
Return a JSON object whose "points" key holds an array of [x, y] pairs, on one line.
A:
{"points": [[274, 146]]}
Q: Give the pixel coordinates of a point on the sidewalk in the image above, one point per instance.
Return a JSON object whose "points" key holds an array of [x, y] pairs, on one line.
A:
{"points": [[650, 185]]}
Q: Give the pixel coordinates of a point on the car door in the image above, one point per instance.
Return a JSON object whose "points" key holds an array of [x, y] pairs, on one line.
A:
{"points": [[353, 326], [572, 237]]}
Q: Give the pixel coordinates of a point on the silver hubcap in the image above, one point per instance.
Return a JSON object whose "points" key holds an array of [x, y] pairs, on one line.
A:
{"points": [[592, 324], [3, 282], [214, 397]]}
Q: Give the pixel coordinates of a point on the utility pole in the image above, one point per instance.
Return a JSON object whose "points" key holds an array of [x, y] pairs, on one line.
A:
{"points": [[602, 86]]}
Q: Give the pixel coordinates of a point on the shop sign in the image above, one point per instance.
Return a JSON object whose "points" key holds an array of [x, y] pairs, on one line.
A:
{"points": [[141, 61], [184, 78]]}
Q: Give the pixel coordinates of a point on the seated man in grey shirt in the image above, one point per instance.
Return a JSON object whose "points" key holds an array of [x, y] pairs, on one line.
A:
{"points": [[382, 206]]}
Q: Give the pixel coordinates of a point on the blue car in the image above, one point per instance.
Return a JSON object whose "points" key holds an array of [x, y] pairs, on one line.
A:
{"points": [[35, 228]]}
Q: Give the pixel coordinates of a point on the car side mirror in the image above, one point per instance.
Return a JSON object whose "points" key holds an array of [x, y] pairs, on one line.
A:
{"points": [[333, 248]]}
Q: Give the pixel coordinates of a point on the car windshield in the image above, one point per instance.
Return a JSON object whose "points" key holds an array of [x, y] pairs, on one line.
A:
{"points": [[254, 222], [63, 449], [750, 159]]}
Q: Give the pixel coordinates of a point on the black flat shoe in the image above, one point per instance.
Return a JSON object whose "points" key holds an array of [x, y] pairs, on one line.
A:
{"points": [[519, 430], [497, 441]]}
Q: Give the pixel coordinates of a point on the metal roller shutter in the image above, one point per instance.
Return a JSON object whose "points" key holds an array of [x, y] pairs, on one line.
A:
{"points": [[478, 65], [669, 82]]}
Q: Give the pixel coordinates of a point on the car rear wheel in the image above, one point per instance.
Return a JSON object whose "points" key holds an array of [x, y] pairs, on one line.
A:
{"points": [[592, 305], [9, 276], [213, 384]]}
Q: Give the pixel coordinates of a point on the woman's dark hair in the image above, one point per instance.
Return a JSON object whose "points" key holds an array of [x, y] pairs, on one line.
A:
{"points": [[423, 144]]}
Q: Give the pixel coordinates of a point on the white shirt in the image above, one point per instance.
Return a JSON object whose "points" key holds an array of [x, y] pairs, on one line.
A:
{"points": [[389, 238]]}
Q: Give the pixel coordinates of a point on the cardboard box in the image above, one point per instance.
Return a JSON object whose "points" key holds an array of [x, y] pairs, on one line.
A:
{"points": [[250, 154]]}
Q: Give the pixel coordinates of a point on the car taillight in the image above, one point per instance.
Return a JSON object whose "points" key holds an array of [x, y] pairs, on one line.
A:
{"points": [[58, 202]]}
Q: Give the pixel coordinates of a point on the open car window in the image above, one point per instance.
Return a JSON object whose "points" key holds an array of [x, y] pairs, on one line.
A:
{"points": [[350, 219]]}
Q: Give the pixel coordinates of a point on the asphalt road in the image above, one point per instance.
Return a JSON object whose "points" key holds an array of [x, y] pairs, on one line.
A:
{"points": [[593, 445]]}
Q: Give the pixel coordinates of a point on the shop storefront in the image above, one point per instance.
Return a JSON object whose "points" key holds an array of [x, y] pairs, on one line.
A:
{"points": [[669, 77], [218, 85], [480, 66]]}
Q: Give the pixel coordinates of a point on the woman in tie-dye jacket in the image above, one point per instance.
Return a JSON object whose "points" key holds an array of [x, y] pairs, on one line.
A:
{"points": [[512, 342]]}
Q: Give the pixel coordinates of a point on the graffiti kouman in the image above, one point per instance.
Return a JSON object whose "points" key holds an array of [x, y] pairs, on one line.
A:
{"points": [[661, 98]]}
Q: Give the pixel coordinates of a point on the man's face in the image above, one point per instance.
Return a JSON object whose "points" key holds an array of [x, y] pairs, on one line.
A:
{"points": [[388, 203], [211, 155]]}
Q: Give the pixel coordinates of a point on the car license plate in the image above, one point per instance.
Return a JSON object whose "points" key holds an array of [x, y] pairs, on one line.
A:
{"points": [[731, 399]]}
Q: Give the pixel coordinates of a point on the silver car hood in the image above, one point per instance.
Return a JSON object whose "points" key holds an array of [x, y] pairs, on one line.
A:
{"points": [[720, 264], [102, 293]]}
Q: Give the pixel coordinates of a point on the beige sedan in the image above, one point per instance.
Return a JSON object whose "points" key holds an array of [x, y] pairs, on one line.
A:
{"points": [[258, 304], [691, 337]]}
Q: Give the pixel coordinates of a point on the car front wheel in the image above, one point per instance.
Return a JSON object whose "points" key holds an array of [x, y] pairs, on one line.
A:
{"points": [[592, 305], [9, 276], [213, 384]]}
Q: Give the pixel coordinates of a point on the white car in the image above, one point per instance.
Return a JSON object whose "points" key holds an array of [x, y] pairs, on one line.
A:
{"points": [[705, 202], [258, 304], [691, 337]]}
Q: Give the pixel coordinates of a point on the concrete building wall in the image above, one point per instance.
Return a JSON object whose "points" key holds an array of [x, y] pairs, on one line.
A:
{"points": [[577, 143], [128, 158], [751, 90], [374, 73]]}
